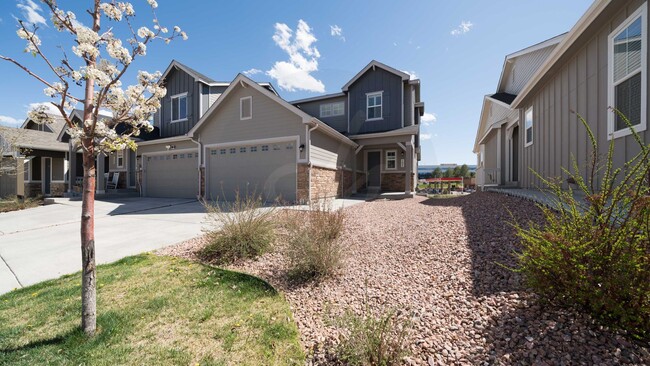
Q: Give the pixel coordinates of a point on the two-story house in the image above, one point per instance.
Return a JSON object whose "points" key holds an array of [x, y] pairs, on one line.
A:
{"points": [[531, 125], [220, 138]]}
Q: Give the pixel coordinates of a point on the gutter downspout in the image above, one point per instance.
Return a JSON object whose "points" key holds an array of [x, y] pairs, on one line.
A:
{"points": [[309, 154], [199, 145]]}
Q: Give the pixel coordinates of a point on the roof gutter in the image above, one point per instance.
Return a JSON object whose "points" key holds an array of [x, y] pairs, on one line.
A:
{"points": [[569, 40]]}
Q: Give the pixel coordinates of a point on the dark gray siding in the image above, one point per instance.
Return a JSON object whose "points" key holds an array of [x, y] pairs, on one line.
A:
{"points": [[374, 81], [409, 97], [179, 82], [339, 123], [580, 85]]}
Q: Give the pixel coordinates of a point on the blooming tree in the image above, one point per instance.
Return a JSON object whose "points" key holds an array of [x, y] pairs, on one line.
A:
{"points": [[94, 79]]}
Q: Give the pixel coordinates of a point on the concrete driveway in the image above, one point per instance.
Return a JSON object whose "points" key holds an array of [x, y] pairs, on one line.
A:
{"points": [[43, 243]]}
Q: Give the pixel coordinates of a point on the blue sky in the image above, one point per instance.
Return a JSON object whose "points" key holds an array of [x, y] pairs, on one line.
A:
{"points": [[456, 48]]}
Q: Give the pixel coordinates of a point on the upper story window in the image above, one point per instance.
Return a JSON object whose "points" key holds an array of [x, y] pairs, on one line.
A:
{"points": [[529, 126], [179, 107], [119, 159], [374, 102], [246, 108], [332, 109], [391, 160], [628, 75]]}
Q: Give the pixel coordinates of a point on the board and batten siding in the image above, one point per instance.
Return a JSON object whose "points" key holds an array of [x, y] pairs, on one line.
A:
{"points": [[339, 123], [375, 81], [178, 82], [580, 85], [523, 69]]}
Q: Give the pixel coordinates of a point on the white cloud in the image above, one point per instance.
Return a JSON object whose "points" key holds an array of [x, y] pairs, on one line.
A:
{"points": [[252, 72], [428, 118], [464, 27], [425, 136], [295, 74], [412, 74], [31, 12], [336, 31], [10, 121]]}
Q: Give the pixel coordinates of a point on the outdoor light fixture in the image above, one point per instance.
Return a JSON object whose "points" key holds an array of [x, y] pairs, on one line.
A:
{"points": [[170, 147], [301, 147]]}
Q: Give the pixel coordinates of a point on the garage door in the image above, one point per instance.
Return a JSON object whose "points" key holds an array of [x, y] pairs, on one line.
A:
{"points": [[266, 169], [173, 175]]}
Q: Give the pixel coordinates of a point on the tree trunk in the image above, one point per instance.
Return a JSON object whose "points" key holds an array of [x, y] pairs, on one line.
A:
{"points": [[88, 272]]}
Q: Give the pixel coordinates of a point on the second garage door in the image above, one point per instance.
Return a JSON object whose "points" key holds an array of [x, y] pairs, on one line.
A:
{"points": [[266, 169], [173, 175]]}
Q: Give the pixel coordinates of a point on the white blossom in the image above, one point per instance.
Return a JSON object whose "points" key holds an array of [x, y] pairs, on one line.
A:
{"points": [[111, 11], [76, 75], [153, 3], [86, 35], [50, 92], [177, 29], [184, 36], [145, 32], [39, 114], [117, 51], [85, 49], [32, 40]]}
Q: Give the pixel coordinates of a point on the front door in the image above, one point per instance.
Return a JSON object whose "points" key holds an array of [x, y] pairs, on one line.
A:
{"points": [[47, 176], [374, 166]]}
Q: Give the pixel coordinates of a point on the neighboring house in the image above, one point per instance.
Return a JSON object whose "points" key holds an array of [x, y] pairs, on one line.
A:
{"points": [[41, 160], [600, 63], [217, 139]]}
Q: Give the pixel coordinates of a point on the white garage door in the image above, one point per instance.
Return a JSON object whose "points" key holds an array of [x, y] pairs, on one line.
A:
{"points": [[266, 169], [173, 175]]}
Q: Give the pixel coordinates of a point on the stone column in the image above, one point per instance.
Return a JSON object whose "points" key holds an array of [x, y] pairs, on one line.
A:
{"points": [[100, 184], [408, 165], [72, 168]]}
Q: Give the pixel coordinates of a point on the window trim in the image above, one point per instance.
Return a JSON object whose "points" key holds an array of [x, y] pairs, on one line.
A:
{"points": [[386, 159], [241, 108], [381, 106], [641, 12], [331, 105], [119, 154], [532, 124], [171, 108]]}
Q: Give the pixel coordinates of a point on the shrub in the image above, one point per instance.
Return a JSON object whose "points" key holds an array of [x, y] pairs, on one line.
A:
{"points": [[369, 339], [314, 248], [238, 230], [594, 252]]}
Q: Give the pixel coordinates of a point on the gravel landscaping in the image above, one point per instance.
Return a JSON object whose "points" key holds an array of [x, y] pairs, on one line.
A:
{"points": [[442, 264]]}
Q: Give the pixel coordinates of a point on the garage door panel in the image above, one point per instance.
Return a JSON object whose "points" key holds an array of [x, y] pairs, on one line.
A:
{"points": [[266, 169], [172, 175]]}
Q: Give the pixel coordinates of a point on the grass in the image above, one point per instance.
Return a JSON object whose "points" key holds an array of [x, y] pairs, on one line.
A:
{"points": [[443, 196], [155, 311], [14, 204]]}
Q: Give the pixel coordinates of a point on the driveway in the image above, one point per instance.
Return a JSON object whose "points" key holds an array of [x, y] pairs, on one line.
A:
{"points": [[43, 243]]}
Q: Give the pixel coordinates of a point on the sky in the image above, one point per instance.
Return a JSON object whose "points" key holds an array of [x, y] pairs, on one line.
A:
{"points": [[307, 48]]}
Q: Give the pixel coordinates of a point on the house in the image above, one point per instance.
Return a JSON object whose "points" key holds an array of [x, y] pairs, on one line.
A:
{"points": [[600, 63], [220, 138], [38, 157]]}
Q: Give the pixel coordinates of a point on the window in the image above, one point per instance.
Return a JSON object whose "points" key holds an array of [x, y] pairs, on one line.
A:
{"points": [[332, 109], [391, 160], [374, 106], [182, 156], [246, 108], [265, 147], [119, 159], [253, 148], [276, 147], [175, 156], [628, 74], [213, 152], [529, 126], [179, 107], [222, 151], [189, 155], [242, 149], [233, 150]]}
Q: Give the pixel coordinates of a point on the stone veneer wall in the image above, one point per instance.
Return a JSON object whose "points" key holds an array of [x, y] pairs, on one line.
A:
{"points": [[393, 182], [328, 183], [34, 189], [202, 180], [302, 188]]}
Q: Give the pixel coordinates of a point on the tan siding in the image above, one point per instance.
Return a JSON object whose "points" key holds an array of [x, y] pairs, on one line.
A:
{"points": [[328, 151], [491, 150], [580, 86], [270, 119], [179, 145], [525, 66]]}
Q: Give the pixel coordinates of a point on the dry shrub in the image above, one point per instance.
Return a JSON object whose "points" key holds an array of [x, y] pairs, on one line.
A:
{"points": [[238, 230], [314, 248]]}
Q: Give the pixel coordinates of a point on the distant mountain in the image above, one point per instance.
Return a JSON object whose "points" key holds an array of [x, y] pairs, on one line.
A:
{"points": [[444, 167]]}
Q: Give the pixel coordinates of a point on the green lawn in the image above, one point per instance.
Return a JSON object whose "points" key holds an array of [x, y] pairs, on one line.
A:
{"points": [[151, 311]]}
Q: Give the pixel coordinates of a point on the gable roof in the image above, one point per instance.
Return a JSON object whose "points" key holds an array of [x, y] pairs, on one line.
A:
{"points": [[195, 74], [242, 79], [372, 65], [57, 124], [320, 97], [587, 19], [509, 60], [504, 97], [32, 139]]}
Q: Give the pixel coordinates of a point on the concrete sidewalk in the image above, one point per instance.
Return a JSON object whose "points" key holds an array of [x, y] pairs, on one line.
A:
{"points": [[43, 243]]}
